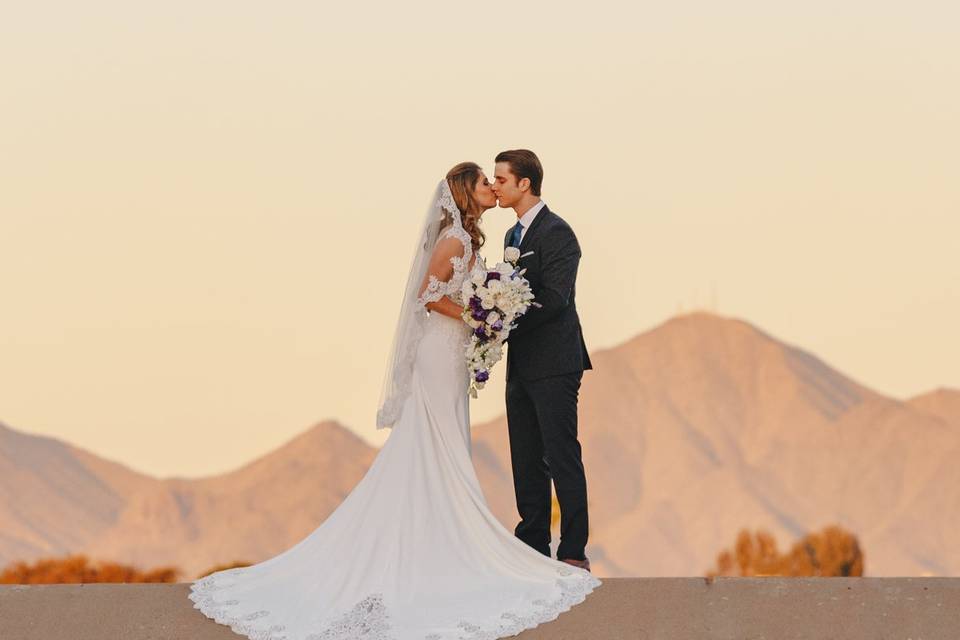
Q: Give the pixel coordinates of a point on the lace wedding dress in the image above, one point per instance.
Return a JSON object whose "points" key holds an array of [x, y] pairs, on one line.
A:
{"points": [[413, 552]]}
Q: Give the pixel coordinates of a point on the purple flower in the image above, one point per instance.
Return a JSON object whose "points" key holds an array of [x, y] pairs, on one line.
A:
{"points": [[497, 326], [482, 376], [493, 275], [479, 314], [480, 333]]}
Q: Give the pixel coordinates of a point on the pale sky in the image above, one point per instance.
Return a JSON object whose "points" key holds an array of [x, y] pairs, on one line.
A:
{"points": [[207, 209]]}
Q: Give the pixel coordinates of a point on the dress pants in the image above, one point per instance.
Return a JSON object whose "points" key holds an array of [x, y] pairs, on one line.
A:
{"points": [[542, 423]]}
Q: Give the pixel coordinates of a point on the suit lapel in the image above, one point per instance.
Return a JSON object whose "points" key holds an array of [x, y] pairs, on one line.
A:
{"points": [[543, 213]]}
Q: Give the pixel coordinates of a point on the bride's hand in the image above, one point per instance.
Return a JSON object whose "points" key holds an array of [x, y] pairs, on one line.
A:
{"points": [[447, 307]]}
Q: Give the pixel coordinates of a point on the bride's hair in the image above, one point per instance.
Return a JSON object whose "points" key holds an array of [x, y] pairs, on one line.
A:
{"points": [[463, 181]]}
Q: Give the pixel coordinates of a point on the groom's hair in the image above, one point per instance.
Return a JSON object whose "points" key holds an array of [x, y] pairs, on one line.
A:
{"points": [[524, 164]]}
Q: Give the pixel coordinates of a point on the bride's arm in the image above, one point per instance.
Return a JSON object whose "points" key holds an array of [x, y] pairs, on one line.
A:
{"points": [[438, 273], [447, 307]]}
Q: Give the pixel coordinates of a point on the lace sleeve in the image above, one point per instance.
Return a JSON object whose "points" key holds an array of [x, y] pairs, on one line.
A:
{"points": [[447, 266], [430, 293]]}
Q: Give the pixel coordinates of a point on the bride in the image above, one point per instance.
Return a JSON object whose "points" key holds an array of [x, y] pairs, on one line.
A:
{"points": [[413, 552]]}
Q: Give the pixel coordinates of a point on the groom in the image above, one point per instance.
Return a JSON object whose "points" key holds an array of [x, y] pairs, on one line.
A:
{"points": [[546, 359]]}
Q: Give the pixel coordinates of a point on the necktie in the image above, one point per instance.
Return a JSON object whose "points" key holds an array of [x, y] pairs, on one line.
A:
{"points": [[515, 236]]}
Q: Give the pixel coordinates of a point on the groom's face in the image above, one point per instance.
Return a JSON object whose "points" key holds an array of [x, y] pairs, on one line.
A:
{"points": [[505, 185]]}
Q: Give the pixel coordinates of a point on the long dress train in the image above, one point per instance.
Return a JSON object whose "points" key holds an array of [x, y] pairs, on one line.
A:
{"points": [[413, 552]]}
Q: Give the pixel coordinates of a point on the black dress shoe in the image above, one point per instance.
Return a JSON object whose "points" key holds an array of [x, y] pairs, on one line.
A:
{"points": [[582, 564]]}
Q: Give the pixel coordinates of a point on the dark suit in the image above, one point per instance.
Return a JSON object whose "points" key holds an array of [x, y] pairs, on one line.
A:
{"points": [[546, 357]]}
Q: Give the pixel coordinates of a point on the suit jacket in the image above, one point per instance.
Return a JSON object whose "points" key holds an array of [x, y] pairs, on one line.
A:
{"points": [[548, 340]]}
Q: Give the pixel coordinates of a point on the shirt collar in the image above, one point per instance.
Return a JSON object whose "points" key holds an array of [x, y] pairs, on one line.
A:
{"points": [[527, 218]]}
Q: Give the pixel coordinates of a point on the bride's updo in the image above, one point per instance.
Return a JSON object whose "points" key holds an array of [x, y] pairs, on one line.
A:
{"points": [[463, 182]]}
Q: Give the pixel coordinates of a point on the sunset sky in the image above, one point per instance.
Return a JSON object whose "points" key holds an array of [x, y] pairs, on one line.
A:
{"points": [[208, 209]]}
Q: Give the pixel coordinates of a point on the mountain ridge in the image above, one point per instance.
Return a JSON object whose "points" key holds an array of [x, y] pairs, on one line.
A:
{"points": [[692, 430]]}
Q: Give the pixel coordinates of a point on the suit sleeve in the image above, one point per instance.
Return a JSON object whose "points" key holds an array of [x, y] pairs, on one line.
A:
{"points": [[561, 258]]}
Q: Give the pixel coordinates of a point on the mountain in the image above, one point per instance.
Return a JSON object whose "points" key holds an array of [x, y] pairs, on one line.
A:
{"points": [[943, 403], [58, 499], [691, 431], [54, 496], [706, 425]]}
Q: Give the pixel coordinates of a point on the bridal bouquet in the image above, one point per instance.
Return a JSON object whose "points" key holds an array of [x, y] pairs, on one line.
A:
{"points": [[494, 300]]}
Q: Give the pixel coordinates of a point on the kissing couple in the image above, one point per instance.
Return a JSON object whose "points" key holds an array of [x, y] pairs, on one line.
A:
{"points": [[414, 552]]}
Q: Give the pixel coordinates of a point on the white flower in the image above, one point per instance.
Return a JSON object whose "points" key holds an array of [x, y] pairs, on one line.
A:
{"points": [[511, 296], [511, 254]]}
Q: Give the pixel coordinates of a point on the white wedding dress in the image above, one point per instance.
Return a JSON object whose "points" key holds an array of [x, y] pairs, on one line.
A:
{"points": [[413, 552]]}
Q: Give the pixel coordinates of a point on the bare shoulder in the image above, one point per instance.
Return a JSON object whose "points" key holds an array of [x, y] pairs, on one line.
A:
{"points": [[448, 246]]}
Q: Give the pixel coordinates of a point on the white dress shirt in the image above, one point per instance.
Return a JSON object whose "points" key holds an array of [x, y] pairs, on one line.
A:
{"points": [[527, 219]]}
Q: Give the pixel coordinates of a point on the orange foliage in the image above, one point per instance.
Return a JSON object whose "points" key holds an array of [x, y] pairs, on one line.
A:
{"points": [[76, 569], [832, 552], [223, 567]]}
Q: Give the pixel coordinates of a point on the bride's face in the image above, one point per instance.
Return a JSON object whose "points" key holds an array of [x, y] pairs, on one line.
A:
{"points": [[484, 192]]}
